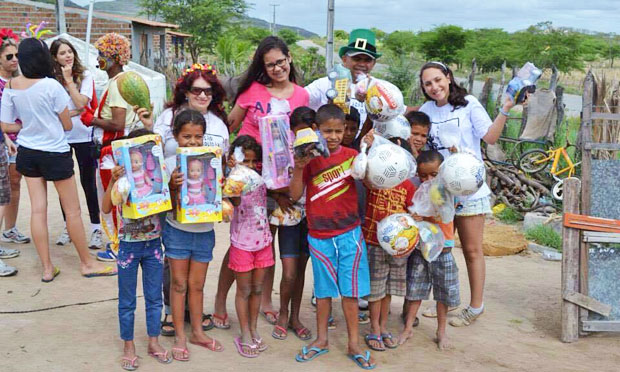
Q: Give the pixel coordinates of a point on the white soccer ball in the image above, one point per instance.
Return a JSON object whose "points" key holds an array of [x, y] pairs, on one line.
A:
{"points": [[384, 100], [462, 174], [397, 127], [431, 240], [388, 166], [397, 234]]}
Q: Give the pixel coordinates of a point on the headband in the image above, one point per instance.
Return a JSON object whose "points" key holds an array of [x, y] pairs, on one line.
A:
{"points": [[35, 31], [198, 67], [440, 64], [7, 34]]}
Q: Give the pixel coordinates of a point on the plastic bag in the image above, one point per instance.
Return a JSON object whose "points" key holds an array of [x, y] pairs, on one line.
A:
{"points": [[360, 163], [384, 100], [310, 143], [398, 234], [388, 164], [340, 91], [120, 191], [397, 127], [450, 134], [422, 205], [431, 240], [431, 199], [524, 82], [241, 179], [462, 174], [277, 142]]}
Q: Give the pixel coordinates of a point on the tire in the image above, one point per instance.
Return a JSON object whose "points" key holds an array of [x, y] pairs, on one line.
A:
{"points": [[531, 161], [557, 191]]}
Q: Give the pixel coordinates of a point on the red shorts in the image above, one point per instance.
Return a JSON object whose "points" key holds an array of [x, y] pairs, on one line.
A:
{"points": [[243, 261]]}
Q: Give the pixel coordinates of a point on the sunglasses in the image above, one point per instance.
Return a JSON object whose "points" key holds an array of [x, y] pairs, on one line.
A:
{"points": [[197, 91], [10, 56]]}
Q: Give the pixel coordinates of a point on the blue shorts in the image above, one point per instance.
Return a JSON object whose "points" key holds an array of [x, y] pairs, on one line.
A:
{"points": [[183, 245], [340, 265], [293, 240]]}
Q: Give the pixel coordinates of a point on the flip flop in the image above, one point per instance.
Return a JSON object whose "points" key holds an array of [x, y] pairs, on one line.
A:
{"points": [[260, 344], [240, 346], [222, 319], [165, 323], [184, 351], [132, 366], [282, 336], [365, 359], [54, 275], [166, 360], [108, 271], [300, 332], [372, 337], [272, 313], [211, 325], [305, 351], [209, 345], [389, 337]]}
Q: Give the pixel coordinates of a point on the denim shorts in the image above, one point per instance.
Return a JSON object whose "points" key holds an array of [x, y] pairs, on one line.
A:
{"points": [[183, 245], [293, 240], [473, 207]]}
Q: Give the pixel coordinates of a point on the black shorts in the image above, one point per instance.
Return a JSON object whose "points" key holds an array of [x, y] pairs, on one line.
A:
{"points": [[293, 240], [52, 166]]}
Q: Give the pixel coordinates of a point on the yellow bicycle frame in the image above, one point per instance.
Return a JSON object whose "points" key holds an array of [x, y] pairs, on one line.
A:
{"points": [[555, 155]]}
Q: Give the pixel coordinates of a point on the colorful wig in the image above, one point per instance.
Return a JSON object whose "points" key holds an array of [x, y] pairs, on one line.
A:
{"points": [[114, 46]]}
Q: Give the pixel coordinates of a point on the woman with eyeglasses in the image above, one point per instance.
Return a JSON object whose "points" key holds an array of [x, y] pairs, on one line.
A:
{"points": [[198, 89]]}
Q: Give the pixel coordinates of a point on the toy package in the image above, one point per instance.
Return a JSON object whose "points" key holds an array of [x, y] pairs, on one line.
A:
{"points": [[143, 160], [432, 199], [384, 101], [340, 92], [398, 234], [431, 240], [524, 82], [200, 197], [241, 179], [277, 140], [310, 143]]}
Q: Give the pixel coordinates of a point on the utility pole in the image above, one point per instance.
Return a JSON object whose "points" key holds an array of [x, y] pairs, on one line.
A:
{"points": [[273, 22], [329, 50], [61, 25]]}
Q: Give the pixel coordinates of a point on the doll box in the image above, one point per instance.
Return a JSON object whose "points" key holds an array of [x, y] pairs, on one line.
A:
{"points": [[143, 160], [200, 197], [277, 146]]}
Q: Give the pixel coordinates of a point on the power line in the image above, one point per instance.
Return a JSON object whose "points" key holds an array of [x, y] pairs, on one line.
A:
{"points": [[273, 22]]}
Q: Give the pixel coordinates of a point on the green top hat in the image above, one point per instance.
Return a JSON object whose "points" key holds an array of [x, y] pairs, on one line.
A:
{"points": [[361, 40]]}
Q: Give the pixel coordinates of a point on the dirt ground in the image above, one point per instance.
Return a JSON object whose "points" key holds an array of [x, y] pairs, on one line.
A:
{"points": [[519, 330]]}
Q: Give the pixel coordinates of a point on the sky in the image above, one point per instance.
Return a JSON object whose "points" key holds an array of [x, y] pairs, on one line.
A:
{"points": [[416, 15]]}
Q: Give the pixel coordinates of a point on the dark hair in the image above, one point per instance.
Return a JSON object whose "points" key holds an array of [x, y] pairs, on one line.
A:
{"points": [[303, 115], [328, 112], [457, 93], [402, 143], [138, 133], [353, 115], [35, 59], [246, 143], [77, 71], [418, 118], [187, 116], [183, 85], [256, 71], [429, 157]]}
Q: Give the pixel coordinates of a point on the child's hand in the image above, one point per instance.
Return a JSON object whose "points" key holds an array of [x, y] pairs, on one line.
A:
{"points": [[117, 172], [369, 138], [453, 150], [416, 217], [231, 162], [284, 202], [145, 117], [176, 179], [301, 162]]}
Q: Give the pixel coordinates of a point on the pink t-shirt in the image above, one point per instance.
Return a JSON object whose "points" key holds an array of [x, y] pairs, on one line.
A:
{"points": [[258, 102], [249, 228]]}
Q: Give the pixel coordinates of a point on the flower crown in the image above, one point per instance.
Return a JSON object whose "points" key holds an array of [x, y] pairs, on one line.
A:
{"points": [[6, 34], [35, 31], [198, 67]]}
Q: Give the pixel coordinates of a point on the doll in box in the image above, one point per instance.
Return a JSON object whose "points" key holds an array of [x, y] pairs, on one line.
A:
{"points": [[200, 182], [142, 182]]}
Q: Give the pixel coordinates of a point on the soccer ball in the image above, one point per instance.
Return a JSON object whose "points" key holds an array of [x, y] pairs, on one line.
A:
{"points": [[462, 174], [397, 127], [397, 234], [431, 240], [388, 166], [384, 101]]}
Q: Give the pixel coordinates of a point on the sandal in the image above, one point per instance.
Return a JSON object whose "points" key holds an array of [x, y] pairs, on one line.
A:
{"points": [[363, 318], [166, 323], [209, 326], [221, 318], [372, 337], [167, 359], [133, 363], [392, 345], [303, 357], [260, 344], [55, 273], [266, 314], [331, 323], [279, 336], [364, 359], [185, 354], [240, 345], [302, 332], [209, 345]]}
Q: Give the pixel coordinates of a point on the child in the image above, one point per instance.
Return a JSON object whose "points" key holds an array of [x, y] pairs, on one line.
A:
{"points": [[420, 126], [352, 125], [441, 275], [250, 251], [140, 245], [294, 253], [387, 273], [337, 248], [189, 248]]}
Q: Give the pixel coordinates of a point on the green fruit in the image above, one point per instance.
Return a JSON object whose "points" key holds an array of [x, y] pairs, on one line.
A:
{"points": [[134, 90]]}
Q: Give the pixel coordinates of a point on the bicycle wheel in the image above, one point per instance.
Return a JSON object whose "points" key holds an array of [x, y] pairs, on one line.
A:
{"points": [[533, 161], [558, 190]]}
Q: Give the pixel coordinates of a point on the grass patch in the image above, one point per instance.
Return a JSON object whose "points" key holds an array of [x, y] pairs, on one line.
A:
{"points": [[509, 216], [516, 321], [545, 235]]}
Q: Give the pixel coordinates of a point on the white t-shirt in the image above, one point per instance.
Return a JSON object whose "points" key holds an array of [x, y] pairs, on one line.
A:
{"points": [[80, 132], [318, 97], [473, 122], [38, 108]]}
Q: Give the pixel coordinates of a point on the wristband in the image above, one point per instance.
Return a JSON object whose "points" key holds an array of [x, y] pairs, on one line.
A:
{"points": [[501, 111]]}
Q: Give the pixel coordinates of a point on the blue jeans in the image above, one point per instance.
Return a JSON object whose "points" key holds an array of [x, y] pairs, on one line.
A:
{"points": [[147, 254]]}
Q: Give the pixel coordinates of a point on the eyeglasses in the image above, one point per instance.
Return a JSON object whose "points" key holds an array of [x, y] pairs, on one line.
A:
{"points": [[279, 63], [197, 90], [10, 56]]}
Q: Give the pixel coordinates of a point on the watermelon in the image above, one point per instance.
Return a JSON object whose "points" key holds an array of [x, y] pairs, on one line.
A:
{"points": [[134, 90]]}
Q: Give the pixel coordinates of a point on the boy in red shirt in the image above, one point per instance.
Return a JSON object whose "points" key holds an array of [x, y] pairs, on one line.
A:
{"points": [[337, 248]]}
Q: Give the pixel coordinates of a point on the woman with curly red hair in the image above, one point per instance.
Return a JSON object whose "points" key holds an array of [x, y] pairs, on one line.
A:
{"points": [[197, 89]]}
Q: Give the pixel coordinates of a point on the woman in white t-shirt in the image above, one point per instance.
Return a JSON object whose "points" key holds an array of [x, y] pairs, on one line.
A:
{"points": [[44, 155], [197, 89], [80, 85], [447, 102]]}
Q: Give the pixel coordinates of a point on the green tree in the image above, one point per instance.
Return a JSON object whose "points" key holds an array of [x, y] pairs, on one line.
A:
{"points": [[546, 46], [490, 47], [204, 19], [289, 36], [254, 34], [400, 42], [443, 43], [379, 34], [232, 54], [310, 64], [341, 34]]}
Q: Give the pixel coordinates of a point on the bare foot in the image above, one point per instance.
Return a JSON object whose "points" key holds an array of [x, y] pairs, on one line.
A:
{"points": [[405, 335], [443, 343], [200, 339], [179, 350], [158, 351]]}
